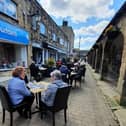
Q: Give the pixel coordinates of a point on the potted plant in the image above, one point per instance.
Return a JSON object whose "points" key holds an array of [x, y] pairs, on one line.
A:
{"points": [[50, 63]]}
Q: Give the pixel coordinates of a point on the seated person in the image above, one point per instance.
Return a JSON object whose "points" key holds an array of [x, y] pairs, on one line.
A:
{"points": [[64, 69], [78, 74], [18, 91], [48, 96], [34, 70], [58, 64]]}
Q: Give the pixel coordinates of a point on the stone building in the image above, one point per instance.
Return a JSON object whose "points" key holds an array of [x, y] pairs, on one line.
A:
{"points": [[108, 54], [69, 32], [26, 30], [14, 37], [47, 38], [81, 54]]}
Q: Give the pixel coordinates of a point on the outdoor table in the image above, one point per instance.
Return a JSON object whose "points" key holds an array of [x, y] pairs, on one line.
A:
{"points": [[36, 88], [71, 78], [42, 68], [73, 73], [72, 68], [43, 71]]}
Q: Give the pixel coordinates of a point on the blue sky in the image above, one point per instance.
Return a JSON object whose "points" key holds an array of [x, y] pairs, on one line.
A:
{"points": [[88, 18]]}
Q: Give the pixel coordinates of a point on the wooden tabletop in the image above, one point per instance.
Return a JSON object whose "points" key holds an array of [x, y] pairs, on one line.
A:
{"points": [[39, 86], [36, 90]]}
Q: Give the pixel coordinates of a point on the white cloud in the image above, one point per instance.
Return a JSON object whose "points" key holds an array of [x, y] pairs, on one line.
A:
{"points": [[79, 11], [82, 11], [89, 34], [85, 42], [92, 29]]}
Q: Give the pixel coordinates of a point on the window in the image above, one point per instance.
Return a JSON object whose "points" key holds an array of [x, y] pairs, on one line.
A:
{"points": [[8, 7], [34, 22], [42, 28], [54, 36], [12, 55], [6, 55], [65, 44], [61, 41]]}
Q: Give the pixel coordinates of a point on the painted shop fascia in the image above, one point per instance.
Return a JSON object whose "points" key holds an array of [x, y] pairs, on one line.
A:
{"points": [[13, 46]]}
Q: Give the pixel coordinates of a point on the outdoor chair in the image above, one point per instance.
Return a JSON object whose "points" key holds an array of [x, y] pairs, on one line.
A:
{"points": [[78, 78], [60, 103], [7, 105], [64, 78], [34, 72], [83, 69]]}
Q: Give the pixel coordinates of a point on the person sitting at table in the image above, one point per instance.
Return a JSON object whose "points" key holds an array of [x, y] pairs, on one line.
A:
{"points": [[76, 74], [58, 63], [18, 91], [65, 72], [34, 71], [47, 97], [64, 69]]}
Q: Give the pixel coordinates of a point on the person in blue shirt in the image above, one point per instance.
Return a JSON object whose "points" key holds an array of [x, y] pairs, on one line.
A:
{"points": [[64, 69], [18, 91], [65, 73], [48, 96]]}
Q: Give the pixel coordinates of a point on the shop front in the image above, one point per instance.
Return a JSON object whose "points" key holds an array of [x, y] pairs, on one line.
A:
{"points": [[62, 54], [13, 46], [52, 52], [37, 53], [49, 51]]}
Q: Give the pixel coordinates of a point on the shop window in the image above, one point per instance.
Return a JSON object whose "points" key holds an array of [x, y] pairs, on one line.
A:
{"points": [[37, 55], [12, 55], [6, 56]]}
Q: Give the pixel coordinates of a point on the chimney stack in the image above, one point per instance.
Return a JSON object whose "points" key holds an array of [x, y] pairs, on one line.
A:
{"points": [[65, 23]]}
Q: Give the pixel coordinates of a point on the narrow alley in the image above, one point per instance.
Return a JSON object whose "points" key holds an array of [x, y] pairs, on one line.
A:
{"points": [[87, 107]]}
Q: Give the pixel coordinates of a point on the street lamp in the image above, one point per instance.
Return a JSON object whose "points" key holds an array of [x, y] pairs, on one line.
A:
{"points": [[79, 45], [36, 18]]}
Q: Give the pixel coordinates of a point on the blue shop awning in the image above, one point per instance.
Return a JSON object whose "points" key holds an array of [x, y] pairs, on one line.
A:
{"points": [[12, 33]]}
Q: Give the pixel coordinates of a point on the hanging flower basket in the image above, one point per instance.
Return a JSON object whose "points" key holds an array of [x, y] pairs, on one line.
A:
{"points": [[112, 32]]}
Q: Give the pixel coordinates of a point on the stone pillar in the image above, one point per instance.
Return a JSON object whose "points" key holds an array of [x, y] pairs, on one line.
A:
{"points": [[121, 85], [102, 59], [93, 59], [96, 58]]}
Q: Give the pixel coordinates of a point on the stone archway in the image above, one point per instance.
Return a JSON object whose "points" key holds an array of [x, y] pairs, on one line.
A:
{"points": [[112, 58]]}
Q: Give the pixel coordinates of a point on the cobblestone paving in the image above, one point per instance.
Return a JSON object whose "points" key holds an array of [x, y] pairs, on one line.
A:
{"points": [[87, 107]]}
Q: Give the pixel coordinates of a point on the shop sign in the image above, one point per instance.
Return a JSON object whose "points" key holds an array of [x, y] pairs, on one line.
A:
{"points": [[13, 33]]}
